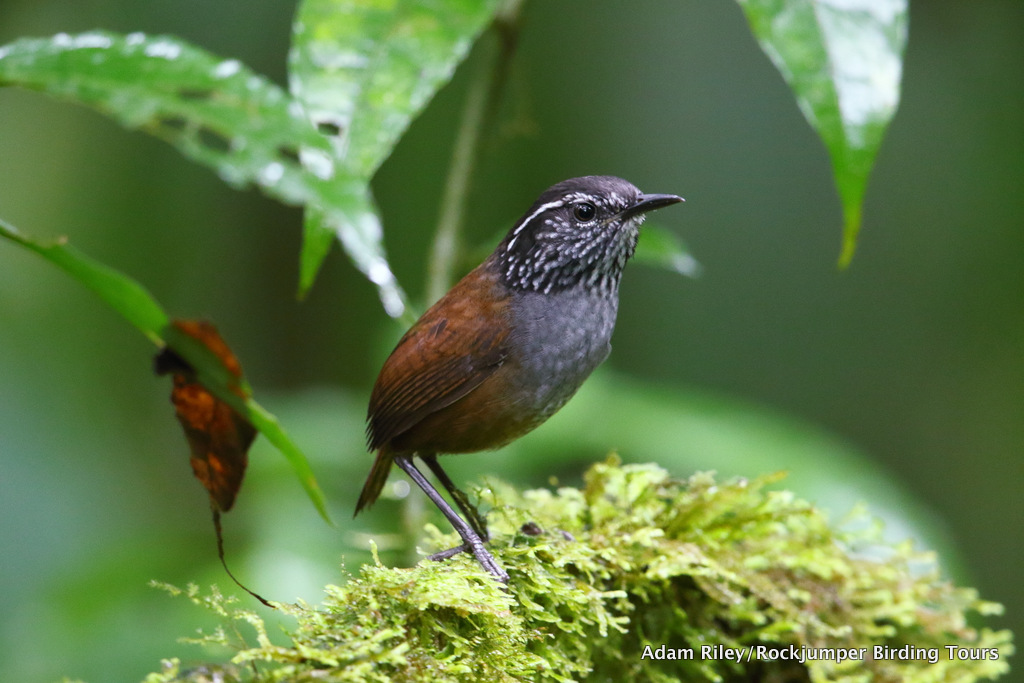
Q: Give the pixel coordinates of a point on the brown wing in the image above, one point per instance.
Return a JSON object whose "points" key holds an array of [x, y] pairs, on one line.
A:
{"points": [[455, 346]]}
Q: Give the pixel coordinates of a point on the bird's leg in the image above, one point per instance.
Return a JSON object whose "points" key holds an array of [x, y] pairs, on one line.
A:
{"points": [[472, 515], [476, 521], [472, 539]]}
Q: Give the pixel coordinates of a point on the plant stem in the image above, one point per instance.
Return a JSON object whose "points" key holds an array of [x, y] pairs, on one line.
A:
{"points": [[477, 113]]}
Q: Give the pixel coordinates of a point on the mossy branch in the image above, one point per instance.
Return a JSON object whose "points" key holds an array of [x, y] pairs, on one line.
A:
{"points": [[639, 577]]}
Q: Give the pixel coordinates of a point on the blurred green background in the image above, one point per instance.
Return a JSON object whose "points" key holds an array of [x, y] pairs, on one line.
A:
{"points": [[900, 381]]}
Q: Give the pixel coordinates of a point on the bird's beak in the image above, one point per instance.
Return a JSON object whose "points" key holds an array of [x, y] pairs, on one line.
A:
{"points": [[650, 202]]}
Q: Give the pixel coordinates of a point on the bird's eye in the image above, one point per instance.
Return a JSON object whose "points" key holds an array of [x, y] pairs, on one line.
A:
{"points": [[584, 212]]}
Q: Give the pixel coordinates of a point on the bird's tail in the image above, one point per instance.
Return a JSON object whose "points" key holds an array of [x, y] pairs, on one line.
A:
{"points": [[376, 480]]}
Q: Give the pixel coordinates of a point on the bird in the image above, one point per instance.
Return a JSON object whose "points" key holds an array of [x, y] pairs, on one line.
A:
{"points": [[508, 345]]}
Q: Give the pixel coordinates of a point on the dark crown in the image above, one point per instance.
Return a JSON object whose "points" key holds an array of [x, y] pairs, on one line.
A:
{"points": [[578, 232]]}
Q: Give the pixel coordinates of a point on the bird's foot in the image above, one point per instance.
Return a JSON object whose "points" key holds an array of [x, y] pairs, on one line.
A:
{"points": [[485, 559]]}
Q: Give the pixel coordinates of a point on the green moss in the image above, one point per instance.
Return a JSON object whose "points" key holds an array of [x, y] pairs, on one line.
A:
{"points": [[635, 563]]}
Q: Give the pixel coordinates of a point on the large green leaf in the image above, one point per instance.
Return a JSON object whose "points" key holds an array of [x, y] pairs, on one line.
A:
{"points": [[843, 61], [216, 112], [363, 70], [131, 300], [354, 221]]}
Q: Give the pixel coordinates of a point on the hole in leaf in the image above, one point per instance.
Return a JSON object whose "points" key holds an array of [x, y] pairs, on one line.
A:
{"points": [[195, 94], [175, 123], [328, 128], [289, 153], [213, 140]]}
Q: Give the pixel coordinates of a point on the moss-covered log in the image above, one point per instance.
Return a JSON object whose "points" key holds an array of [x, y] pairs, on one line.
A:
{"points": [[642, 577]]}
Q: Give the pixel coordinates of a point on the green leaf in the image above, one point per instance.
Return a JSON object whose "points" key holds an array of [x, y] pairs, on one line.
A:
{"points": [[217, 112], [121, 293], [363, 70], [660, 247], [843, 61], [317, 238], [129, 299], [354, 220]]}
